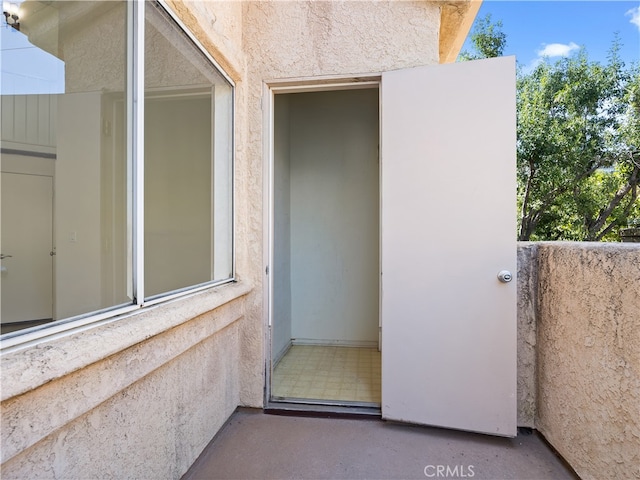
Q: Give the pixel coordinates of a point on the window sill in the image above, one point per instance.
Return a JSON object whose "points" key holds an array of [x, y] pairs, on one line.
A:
{"points": [[27, 367]]}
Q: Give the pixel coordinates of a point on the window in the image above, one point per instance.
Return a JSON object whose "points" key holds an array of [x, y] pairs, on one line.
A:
{"points": [[116, 163], [187, 202]]}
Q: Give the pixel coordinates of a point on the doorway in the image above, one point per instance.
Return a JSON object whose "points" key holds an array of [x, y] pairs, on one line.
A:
{"points": [[447, 168], [326, 247]]}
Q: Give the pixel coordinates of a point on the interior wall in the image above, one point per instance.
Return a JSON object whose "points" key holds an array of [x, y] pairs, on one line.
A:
{"points": [[115, 217], [281, 314], [177, 193], [77, 205], [334, 205]]}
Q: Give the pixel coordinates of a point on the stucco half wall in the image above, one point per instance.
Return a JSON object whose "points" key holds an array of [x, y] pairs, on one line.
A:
{"points": [[136, 398], [588, 356]]}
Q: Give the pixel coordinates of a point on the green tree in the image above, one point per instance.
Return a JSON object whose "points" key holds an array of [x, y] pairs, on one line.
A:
{"points": [[487, 38], [578, 148]]}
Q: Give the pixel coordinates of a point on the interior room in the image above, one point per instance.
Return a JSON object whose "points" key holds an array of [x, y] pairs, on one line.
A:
{"points": [[325, 317]]}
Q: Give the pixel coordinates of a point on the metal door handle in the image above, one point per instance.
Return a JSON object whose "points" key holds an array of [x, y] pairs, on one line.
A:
{"points": [[505, 276], [3, 256]]}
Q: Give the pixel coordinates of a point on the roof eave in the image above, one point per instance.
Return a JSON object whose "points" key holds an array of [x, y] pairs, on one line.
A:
{"points": [[456, 18]]}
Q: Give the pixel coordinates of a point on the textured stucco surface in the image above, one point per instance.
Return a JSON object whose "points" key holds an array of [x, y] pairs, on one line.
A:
{"points": [[589, 356], [527, 318], [315, 38], [140, 398], [161, 397], [154, 428], [304, 39]]}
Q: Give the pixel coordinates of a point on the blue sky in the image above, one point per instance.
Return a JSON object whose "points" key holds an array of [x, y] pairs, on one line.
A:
{"points": [[558, 28]]}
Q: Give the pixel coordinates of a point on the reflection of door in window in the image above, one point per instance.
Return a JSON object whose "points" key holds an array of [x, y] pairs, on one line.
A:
{"points": [[27, 222]]}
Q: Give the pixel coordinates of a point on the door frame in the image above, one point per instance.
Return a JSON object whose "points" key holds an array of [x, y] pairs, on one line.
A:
{"points": [[270, 89]]}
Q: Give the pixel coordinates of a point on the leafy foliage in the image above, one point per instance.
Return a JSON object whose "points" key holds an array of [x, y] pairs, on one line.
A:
{"points": [[578, 147], [487, 38]]}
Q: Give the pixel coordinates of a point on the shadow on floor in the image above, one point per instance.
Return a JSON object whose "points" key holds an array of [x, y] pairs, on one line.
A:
{"points": [[254, 445]]}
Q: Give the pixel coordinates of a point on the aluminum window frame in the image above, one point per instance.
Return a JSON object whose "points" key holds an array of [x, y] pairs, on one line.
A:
{"points": [[135, 99]]}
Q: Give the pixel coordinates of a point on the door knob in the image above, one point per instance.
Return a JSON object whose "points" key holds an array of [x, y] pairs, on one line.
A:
{"points": [[3, 256], [505, 276]]}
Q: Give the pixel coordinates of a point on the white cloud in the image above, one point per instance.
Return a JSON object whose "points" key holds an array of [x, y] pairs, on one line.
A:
{"points": [[557, 50], [531, 66], [634, 13]]}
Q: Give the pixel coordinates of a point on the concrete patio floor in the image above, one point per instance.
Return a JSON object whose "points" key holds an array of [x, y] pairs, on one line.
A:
{"points": [[254, 445]]}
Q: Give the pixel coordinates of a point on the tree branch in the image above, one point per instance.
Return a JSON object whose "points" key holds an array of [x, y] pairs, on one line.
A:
{"points": [[615, 201]]}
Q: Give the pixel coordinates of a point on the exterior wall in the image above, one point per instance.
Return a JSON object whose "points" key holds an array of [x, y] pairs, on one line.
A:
{"points": [[316, 38], [589, 356], [138, 398], [527, 323], [293, 40]]}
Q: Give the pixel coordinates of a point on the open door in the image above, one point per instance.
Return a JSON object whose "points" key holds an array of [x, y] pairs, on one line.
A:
{"points": [[448, 224]]}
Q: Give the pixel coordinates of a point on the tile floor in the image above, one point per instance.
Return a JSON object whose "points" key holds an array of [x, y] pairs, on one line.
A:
{"points": [[347, 374]]}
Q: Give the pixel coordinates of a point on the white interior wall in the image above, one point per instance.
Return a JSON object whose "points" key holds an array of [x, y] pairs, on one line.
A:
{"points": [[115, 221], [334, 207], [177, 193], [281, 321], [77, 205]]}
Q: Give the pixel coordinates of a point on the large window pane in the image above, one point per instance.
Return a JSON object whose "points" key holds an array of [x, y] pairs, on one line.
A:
{"points": [[65, 236], [188, 166]]}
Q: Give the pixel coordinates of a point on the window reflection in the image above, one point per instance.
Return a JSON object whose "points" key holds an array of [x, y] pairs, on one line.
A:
{"points": [[65, 235], [67, 183], [187, 162]]}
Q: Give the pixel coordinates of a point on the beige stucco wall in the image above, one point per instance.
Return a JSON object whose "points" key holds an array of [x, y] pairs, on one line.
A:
{"points": [[303, 39], [137, 398], [527, 329], [579, 352], [588, 344]]}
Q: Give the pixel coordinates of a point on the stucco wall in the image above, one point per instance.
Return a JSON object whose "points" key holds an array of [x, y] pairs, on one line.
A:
{"points": [[303, 39], [588, 343], [140, 397], [527, 321]]}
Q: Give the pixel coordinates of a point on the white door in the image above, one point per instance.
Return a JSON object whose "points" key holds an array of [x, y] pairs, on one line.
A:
{"points": [[448, 228], [27, 222]]}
